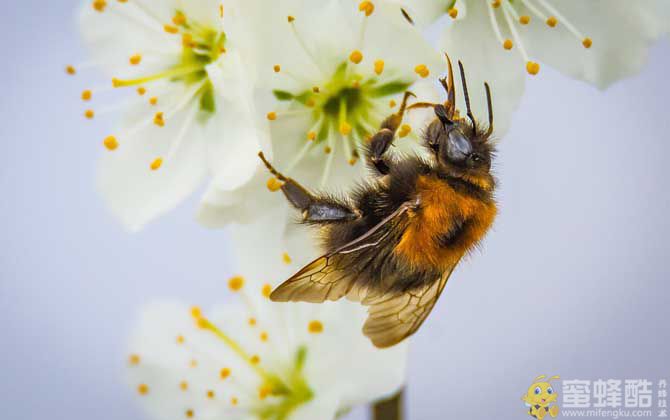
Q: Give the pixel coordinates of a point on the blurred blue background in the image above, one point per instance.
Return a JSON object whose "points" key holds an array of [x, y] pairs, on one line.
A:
{"points": [[574, 280]]}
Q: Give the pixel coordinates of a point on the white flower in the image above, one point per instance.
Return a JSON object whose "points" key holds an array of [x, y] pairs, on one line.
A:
{"points": [[337, 69], [260, 360], [190, 115], [499, 41]]}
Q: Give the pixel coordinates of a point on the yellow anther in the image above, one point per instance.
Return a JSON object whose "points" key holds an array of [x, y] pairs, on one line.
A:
{"points": [[422, 70], [495, 4], [255, 359], [111, 143], [86, 95], [135, 59], [286, 258], [264, 391], [264, 336], [316, 89], [453, 12], [183, 385], [277, 68], [379, 67], [190, 413], [89, 113], [315, 327], [210, 394], [267, 290], [194, 363], [405, 129], [345, 128], [156, 164], [99, 5], [70, 70], [356, 84], [532, 67], [290, 19], [236, 283], [224, 373], [551, 21], [366, 6], [252, 322], [221, 10], [392, 103], [134, 359], [524, 20], [159, 119], [353, 160], [122, 1], [170, 29], [327, 150], [508, 44], [153, 100], [196, 312], [586, 42], [274, 184], [202, 323], [179, 19], [234, 401], [272, 116], [310, 103], [187, 41], [141, 90], [180, 339], [142, 389], [356, 56], [311, 136]]}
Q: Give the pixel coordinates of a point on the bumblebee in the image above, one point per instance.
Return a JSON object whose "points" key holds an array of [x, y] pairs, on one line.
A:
{"points": [[395, 240]]}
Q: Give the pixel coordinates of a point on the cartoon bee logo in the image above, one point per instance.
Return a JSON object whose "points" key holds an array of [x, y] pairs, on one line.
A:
{"points": [[393, 242], [540, 397]]}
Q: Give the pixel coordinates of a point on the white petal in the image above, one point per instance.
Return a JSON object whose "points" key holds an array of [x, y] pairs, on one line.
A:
{"points": [[126, 29], [236, 138], [622, 33], [362, 373], [473, 41], [389, 37], [423, 12], [164, 363], [221, 206], [134, 192]]}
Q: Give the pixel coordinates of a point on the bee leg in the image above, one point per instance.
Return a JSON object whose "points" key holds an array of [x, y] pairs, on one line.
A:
{"points": [[377, 148], [314, 209], [393, 122], [382, 140]]}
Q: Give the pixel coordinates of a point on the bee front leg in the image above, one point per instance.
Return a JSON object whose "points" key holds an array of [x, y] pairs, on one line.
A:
{"points": [[382, 140], [314, 209]]}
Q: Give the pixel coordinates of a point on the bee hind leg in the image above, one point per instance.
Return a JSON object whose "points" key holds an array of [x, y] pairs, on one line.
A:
{"points": [[314, 209]]}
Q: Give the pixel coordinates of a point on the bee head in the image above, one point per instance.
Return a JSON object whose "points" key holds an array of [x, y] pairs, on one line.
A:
{"points": [[460, 145]]}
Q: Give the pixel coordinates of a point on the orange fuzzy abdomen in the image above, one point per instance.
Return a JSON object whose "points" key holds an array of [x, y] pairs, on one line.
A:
{"points": [[444, 211]]}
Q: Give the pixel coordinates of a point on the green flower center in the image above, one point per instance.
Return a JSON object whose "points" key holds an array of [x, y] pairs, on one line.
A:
{"points": [[201, 46], [291, 392], [349, 103]]}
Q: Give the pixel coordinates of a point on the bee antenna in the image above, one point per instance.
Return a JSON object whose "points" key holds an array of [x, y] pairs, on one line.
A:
{"points": [[490, 106], [449, 87], [467, 97]]}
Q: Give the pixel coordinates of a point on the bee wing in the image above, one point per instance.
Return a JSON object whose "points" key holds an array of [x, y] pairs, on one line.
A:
{"points": [[394, 317], [326, 278]]}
